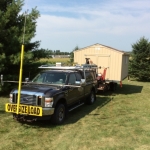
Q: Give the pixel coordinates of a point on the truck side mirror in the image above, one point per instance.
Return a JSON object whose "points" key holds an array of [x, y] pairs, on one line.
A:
{"points": [[2, 83], [27, 79], [77, 82], [83, 81], [80, 82]]}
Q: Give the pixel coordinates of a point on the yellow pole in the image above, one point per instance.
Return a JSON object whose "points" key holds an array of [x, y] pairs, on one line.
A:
{"points": [[20, 78]]}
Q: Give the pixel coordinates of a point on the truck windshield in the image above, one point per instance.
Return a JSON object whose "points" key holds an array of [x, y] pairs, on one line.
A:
{"points": [[50, 78]]}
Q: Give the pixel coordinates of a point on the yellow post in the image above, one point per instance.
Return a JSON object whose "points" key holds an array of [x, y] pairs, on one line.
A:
{"points": [[20, 78]]}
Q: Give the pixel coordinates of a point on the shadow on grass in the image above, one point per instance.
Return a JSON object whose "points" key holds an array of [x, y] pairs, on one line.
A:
{"points": [[129, 89], [81, 112], [125, 89], [2, 112], [74, 115]]}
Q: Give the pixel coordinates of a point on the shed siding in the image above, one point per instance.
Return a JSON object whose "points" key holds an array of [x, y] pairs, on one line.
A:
{"points": [[115, 61], [125, 63]]}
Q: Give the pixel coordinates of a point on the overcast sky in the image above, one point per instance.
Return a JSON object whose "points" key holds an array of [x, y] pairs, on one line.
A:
{"points": [[65, 24]]}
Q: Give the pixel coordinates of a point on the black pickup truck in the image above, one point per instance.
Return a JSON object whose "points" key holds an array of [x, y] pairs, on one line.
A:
{"points": [[53, 93]]}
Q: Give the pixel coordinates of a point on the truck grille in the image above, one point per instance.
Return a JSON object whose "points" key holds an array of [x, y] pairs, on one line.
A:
{"points": [[28, 99]]}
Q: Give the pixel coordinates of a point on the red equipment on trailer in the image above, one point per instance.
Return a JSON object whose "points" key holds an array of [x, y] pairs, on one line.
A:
{"points": [[104, 85]]}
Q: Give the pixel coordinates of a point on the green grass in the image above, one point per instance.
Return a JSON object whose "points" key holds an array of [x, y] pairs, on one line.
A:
{"points": [[116, 121]]}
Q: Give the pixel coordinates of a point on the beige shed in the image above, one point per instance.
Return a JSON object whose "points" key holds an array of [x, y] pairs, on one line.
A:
{"points": [[114, 60]]}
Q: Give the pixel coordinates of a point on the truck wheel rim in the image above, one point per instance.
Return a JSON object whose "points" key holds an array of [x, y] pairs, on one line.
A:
{"points": [[92, 97], [61, 114]]}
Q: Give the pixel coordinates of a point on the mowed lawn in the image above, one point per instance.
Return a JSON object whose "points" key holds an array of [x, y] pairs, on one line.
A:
{"points": [[117, 121]]}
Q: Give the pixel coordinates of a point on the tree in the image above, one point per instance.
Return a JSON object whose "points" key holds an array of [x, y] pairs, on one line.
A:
{"points": [[139, 67], [72, 54], [12, 22], [11, 31], [41, 53]]}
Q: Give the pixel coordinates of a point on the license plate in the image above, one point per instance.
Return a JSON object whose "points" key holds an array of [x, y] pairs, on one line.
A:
{"points": [[24, 109]]}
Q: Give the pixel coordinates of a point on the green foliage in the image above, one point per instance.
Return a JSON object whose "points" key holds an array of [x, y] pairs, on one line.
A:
{"points": [[42, 53], [45, 53], [2, 60], [12, 23], [12, 30], [139, 67], [72, 54]]}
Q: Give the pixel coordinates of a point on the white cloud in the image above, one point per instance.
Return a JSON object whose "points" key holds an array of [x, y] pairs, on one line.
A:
{"points": [[96, 22]]}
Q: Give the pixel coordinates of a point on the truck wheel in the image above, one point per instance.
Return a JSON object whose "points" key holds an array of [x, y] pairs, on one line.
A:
{"points": [[91, 99], [59, 114]]}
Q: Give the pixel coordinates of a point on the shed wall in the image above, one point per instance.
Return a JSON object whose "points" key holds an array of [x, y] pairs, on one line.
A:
{"points": [[115, 62], [125, 62]]}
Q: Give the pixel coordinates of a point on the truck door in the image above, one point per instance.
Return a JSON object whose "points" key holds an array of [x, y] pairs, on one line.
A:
{"points": [[89, 82], [73, 95]]}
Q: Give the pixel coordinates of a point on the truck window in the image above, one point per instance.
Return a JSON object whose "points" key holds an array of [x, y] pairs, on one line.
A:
{"points": [[39, 78], [93, 75], [50, 77], [89, 76], [72, 79], [78, 76]]}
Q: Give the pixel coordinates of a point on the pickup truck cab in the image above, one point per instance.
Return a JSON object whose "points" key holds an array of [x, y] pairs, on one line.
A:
{"points": [[54, 92]]}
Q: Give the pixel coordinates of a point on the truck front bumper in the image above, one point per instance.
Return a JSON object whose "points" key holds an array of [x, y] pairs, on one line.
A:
{"points": [[28, 110], [47, 111], [46, 115]]}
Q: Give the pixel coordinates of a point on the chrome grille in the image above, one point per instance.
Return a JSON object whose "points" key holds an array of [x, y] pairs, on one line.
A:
{"points": [[27, 99]]}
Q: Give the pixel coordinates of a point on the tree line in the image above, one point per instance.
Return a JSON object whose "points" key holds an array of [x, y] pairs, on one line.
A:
{"points": [[46, 53]]}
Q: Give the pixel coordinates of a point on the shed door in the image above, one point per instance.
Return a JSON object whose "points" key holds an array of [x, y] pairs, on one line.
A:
{"points": [[104, 62], [101, 60]]}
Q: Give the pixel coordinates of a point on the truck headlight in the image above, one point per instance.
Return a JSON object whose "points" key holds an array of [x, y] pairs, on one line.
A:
{"points": [[48, 102], [10, 98]]}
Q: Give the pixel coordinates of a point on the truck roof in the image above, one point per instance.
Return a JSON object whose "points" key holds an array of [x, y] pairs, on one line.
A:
{"points": [[77, 67], [66, 71]]}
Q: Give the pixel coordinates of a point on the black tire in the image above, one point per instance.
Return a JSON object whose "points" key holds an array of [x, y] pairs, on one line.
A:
{"points": [[91, 98], [59, 114]]}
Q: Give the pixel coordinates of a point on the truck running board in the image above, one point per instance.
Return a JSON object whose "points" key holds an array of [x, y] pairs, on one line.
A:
{"points": [[76, 107]]}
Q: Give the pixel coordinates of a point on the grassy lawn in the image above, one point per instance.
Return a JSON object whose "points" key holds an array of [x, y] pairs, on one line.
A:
{"points": [[117, 121]]}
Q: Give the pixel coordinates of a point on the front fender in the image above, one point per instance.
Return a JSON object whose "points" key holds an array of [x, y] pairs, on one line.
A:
{"points": [[59, 98]]}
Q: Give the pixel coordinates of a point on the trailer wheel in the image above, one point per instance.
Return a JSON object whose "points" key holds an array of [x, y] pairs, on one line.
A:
{"points": [[59, 114], [92, 97]]}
